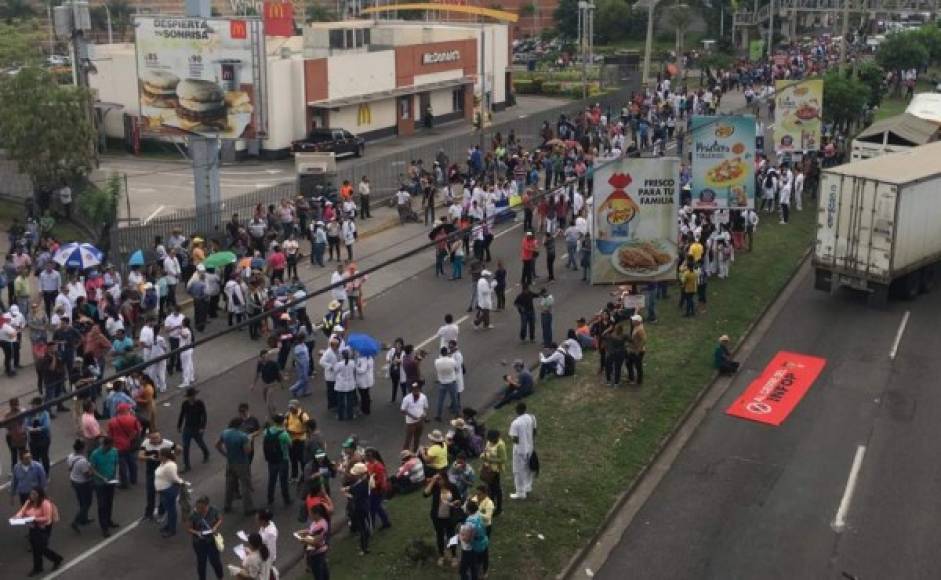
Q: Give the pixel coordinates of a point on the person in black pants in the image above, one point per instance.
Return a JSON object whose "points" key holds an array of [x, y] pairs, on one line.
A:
{"points": [[104, 463], [40, 531], [527, 311], [205, 518], [192, 423], [81, 479], [358, 491], [443, 501]]}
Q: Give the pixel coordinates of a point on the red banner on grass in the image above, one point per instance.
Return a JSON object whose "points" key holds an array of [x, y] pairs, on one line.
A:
{"points": [[773, 395]]}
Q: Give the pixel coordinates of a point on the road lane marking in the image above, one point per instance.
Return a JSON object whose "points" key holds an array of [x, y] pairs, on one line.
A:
{"points": [[839, 521], [153, 214], [93, 550], [898, 335]]}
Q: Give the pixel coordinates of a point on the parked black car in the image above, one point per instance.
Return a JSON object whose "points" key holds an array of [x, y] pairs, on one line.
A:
{"points": [[337, 141]]}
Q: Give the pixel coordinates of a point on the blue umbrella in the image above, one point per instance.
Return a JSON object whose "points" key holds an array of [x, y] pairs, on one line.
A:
{"points": [[78, 255], [363, 344], [137, 258]]}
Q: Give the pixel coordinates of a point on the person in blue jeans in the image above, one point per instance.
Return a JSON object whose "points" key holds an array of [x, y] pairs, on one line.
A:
{"points": [[192, 424], [301, 388], [167, 482], [447, 368]]}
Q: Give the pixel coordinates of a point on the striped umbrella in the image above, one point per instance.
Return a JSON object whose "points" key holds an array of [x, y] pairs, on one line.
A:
{"points": [[78, 255]]}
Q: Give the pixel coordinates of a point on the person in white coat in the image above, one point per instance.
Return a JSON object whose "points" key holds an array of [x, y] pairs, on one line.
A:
{"points": [[186, 357], [234, 299], [365, 379], [523, 434], [458, 357], [485, 287], [349, 235], [344, 371], [327, 359], [158, 370], [784, 200], [338, 283]]}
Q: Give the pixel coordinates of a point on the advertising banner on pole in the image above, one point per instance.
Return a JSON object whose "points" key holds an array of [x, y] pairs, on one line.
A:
{"points": [[798, 114], [197, 76], [723, 169], [634, 222], [778, 389]]}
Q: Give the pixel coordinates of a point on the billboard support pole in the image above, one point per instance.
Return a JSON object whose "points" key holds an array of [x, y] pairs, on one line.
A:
{"points": [[204, 152]]}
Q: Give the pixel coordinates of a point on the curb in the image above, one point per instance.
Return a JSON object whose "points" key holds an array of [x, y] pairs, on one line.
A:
{"points": [[568, 572]]}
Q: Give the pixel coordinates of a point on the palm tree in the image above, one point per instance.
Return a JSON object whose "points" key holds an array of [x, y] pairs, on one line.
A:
{"points": [[679, 18]]}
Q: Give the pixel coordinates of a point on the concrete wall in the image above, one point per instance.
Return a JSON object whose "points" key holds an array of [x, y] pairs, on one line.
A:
{"points": [[12, 182], [286, 109], [382, 115], [356, 74]]}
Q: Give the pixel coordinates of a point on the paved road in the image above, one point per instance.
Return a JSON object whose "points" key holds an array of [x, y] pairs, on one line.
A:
{"points": [[744, 500], [412, 308], [158, 187]]}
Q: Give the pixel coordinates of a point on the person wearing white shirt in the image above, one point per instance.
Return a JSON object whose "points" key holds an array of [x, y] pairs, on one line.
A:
{"points": [[365, 379], [173, 324], [446, 369], [415, 408], [348, 233], [448, 331], [172, 270], [799, 190], [572, 346], [146, 338], [364, 192], [523, 434], [158, 370], [167, 482], [234, 299], [784, 199], [187, 366], [268, 532], [458, 357], [338, 281], [328, 358], [454, 212], [63, 302], [344, 373], [485, 288], [554, 362]]}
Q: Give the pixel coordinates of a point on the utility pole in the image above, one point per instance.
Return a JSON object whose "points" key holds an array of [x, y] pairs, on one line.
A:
{"points": [[648, 44], [843, 32], [771, 30]]}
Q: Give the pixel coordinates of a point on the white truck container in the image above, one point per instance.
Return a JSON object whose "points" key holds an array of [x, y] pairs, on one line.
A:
{"points": [[879, 224]]}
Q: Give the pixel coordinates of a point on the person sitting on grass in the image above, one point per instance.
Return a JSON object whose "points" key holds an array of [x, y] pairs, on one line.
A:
{"points": [[518, 386], [722, 359], [410, 475], [551, 361]]}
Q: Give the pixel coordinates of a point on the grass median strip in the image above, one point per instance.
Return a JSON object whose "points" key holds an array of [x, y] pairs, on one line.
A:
{"points": [[593, 440]]}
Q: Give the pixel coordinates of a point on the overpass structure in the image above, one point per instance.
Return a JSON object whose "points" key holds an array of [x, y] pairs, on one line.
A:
{"points": [[789, 14]]}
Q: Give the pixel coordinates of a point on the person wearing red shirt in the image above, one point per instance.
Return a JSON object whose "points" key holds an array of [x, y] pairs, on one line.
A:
{"points": [[124, 429], [378, 487], [277, 262], [528, 253]]}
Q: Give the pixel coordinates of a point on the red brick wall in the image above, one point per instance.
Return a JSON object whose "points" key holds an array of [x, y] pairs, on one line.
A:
{"points": [[315, 80]]}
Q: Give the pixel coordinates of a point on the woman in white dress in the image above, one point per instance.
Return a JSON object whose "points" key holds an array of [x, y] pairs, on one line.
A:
{"points": [[186, 357]]}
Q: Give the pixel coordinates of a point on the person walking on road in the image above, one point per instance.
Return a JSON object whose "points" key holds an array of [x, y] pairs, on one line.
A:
{"points": [[529, 251], [548, 245], [80, 476], [364, 193], [27, 476], [44, 514], [545, 303], [523, 434], [124, 431], [295, 421], [167, 483], [149, 453], [415, 408], [277, 448], [104, 466], [525, 306], [269, 372], [485, 287], [17, 434], [235, 445], [301, 387], [187, 366], [192, 425], [447, 369], [344, 371], [204, 523]]}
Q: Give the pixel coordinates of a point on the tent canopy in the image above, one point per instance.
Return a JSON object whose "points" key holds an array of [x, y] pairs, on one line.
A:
{"points": [[904, 129]]}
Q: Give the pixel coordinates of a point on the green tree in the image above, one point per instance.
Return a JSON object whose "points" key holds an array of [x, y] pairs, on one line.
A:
{"points": [[11, 10], [902, 51], [613, 20], [318, 13], [566, 18], [99, 205], [844, 99], [45, 127], [872, 76], [19, 46], [930, 38]]}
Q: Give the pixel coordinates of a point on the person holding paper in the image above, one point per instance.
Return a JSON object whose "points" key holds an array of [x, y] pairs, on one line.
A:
{"points": [[167, 483], [104, 466], [257, 563], [42, 513], [204, 523], [315, 542]]}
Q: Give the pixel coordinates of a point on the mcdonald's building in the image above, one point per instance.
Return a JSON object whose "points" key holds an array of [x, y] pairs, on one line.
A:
{"points": [[374, 78]]}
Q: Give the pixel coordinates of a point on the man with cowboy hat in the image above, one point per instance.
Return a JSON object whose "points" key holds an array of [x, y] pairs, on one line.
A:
{"points": [[435, 455]]}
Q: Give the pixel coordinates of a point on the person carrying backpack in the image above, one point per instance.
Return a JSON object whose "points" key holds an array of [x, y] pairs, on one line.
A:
{"points": [[276, 445]]}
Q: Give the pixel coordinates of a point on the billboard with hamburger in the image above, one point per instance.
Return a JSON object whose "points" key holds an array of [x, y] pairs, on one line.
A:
{"points": [[196, 75]]}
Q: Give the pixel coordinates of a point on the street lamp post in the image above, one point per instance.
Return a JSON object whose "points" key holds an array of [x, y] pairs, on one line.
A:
{"points": [[586, 30], [648, 5]]}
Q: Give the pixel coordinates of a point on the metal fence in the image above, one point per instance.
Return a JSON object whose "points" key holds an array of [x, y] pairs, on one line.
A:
{"points": [[385, 175]]}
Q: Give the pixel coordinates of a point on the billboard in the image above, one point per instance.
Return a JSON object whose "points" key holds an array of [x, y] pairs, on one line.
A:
{"points": [[278, 18], [798, 114], [200, 76], [634, 223], [723, 168]]}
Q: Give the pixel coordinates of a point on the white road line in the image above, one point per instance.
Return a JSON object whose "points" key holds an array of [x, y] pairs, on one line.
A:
{"points": [[839, 521], [92, 551], [153, 214], [898, 335]]}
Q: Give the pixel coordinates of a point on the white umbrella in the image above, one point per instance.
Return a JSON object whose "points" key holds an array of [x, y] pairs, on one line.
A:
{"points": [[78, 255]]}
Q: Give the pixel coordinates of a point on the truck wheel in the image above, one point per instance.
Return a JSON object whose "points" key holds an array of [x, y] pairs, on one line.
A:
{"points": [[879, 297], [907, 286], [822, 280], [928, 278]]}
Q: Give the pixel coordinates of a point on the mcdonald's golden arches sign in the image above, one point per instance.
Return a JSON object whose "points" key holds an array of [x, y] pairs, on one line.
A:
{"points": [[363, 115], [279, 18]]}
